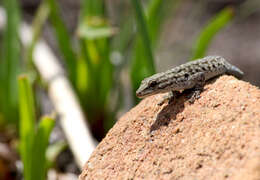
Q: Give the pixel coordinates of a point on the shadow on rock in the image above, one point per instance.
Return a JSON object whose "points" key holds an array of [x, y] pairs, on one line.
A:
{"points": [[168, 113]]}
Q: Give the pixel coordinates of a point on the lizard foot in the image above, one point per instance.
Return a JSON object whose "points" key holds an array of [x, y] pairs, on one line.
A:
{"points": [[170, 97], [195, 94]]}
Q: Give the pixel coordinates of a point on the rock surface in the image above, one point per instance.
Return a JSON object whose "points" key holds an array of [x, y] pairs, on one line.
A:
{"points": [[216, 137]]}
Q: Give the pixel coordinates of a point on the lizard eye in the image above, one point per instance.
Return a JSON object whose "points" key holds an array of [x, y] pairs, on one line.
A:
{"points": [[153, 83]]}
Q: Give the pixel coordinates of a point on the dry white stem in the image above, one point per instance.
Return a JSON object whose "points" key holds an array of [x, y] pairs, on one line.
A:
{"points": [[2, 18], [62, 96]]}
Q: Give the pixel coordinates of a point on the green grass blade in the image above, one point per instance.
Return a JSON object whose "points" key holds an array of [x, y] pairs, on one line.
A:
{"points": [[209, 32], [11, 62], [38, 22], [142, 59], [64, 41], [149, 31], [27, 123], [142, 29], [156, 15], [40, 145], [92, 8], [155, 18]]}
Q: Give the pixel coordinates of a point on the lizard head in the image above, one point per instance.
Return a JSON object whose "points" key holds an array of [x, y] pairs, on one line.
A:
{"points": [[149, 86], [146, 88]]}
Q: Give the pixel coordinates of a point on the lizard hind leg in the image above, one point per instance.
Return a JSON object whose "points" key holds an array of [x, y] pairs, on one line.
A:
{"points": [[170, 97]]}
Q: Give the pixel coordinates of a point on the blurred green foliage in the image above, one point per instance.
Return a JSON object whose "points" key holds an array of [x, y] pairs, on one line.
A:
{"points": [[210, 31], [10, 64], [90, 65], [33, 139]]}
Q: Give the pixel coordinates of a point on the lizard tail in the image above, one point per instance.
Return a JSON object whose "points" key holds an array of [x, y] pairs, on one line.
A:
{"points": [[233, 70]]}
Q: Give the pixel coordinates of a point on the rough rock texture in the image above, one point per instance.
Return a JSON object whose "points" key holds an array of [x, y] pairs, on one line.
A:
{"points": [[217, 137]]}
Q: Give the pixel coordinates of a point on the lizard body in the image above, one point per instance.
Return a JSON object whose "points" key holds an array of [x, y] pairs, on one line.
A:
{"points": [[187, 76]]}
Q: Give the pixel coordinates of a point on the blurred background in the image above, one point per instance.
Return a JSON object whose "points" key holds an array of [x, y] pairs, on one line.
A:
{"points": [[70, 68]]}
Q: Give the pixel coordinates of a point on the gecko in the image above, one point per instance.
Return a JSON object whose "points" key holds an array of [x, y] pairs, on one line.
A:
{"points": [[190, 75]]}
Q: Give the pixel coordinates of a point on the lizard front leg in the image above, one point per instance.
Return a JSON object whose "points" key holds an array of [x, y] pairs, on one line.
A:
{"points": [[198, 88], [170, 97]]}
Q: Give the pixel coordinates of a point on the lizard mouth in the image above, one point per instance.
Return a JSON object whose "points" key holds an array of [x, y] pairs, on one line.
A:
{"points": [[142, 94]]}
